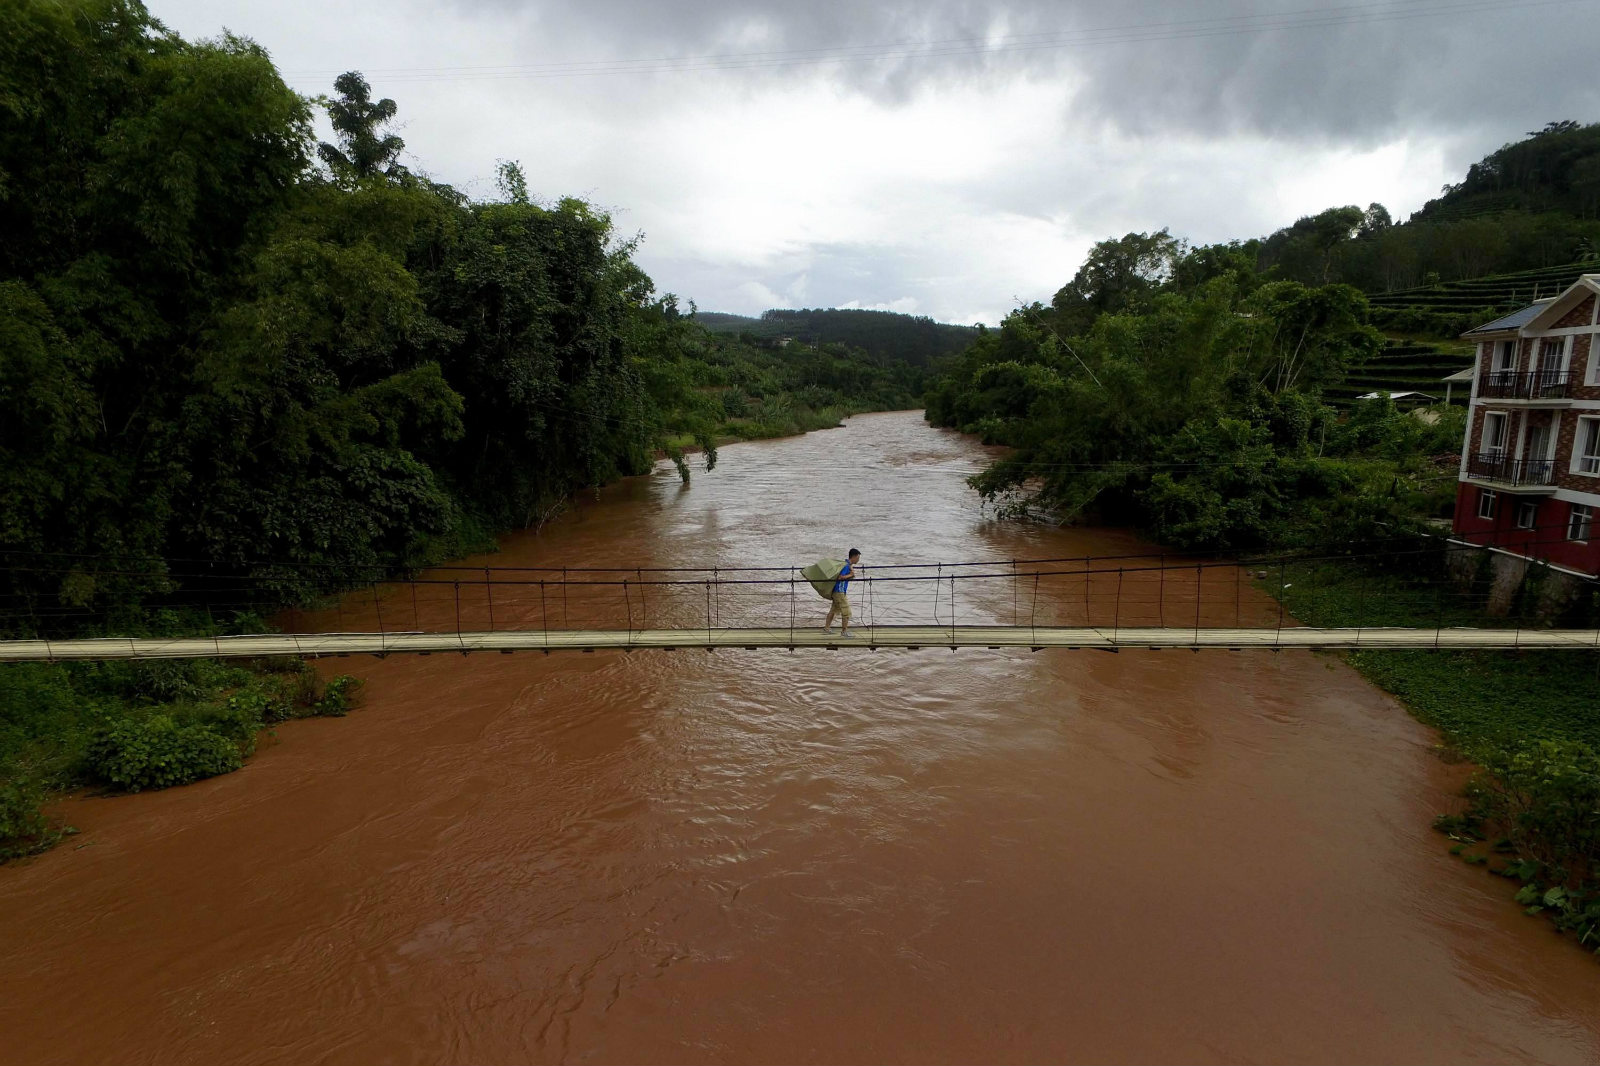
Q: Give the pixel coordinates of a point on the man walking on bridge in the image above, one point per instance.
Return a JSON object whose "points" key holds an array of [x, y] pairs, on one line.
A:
{"points": [[841, 597]]}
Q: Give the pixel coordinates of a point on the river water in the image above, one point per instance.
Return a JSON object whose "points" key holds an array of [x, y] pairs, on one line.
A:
{"points": [[755, 856]]}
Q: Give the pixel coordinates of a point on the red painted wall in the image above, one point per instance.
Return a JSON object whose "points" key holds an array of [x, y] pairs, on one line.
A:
{"points": [[1547, 540]]}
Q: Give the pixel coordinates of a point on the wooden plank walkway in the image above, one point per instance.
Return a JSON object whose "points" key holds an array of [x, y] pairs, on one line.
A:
{"points": [[1105, 639]]}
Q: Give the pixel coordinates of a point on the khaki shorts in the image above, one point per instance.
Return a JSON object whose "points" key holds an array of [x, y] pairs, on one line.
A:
{"points": [[841, 603]]}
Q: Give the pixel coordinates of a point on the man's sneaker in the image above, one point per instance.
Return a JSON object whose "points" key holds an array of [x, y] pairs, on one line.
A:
{"points": [[849, 636], [827, 631]]}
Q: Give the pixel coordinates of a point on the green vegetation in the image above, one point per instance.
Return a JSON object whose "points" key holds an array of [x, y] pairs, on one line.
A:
{"points": [[1478, 700], [1208, 395], [1529, 208], [137, 725], [234, 358], [1530, 721], [769, 390], [1179, 391], [226, 342], [884, 334], [1402, 366], [1449, 309]]}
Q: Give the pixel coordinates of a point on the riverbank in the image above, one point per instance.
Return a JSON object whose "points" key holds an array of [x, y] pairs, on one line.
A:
{"points": [[134, 726], [138, 726], [793, 423], [1530, 722], [757, 855]]}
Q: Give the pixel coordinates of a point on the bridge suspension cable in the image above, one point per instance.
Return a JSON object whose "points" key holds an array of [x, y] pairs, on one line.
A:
{"points": [[1150, 600]]}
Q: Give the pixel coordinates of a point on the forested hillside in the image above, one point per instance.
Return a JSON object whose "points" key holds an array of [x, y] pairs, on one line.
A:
{"points": [[1530, 205], [885, 334], [1188, 389], [240, 368]]}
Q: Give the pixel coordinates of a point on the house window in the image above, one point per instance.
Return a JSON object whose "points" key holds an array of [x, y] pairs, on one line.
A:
{"points": [[1579, 522], [1487, 498], [1527, 513], [1494, 432], [1552, 370], [1589, 446], [1505, 356]]}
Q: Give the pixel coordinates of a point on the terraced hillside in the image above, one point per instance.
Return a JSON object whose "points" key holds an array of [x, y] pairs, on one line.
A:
{"points": [[1498, 292], [1449, 309], [1405, 366]]}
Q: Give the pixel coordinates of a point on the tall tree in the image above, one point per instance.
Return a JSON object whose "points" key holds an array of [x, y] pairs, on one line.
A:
{"points": [[1118, 275], [366, 150]]}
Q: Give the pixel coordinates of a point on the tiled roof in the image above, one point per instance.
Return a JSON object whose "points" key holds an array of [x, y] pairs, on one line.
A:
{"points": [[1515, 320]]}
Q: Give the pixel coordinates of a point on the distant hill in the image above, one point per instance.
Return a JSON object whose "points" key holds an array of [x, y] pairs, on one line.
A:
{"points": [[916, 339], [1529, 207], [1555, 169], [722, 322]]}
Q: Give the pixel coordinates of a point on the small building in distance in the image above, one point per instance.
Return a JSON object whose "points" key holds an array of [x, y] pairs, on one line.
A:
{"points": [[1530, 464], [1402, 400]]}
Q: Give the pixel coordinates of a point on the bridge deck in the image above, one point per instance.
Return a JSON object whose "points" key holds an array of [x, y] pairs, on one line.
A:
{"points": [[322, 644]]}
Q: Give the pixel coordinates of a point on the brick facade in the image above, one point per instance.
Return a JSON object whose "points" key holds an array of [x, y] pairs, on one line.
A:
{"points": [[1534, 505], [1581, 315]]}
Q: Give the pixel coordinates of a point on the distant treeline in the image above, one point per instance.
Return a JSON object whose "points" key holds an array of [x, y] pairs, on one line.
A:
{"points": [[293, 362], [884, 334], [1188, 402]]}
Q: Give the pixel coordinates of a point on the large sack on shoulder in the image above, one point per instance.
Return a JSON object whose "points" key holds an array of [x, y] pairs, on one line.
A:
{"points": [[822, 574]]}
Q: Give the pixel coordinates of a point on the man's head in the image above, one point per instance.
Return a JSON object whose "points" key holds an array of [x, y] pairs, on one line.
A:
{"points": [[855, 553]]}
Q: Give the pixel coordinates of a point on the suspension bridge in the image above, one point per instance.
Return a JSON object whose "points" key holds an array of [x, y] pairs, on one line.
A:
{"points": [[1105, 604]]}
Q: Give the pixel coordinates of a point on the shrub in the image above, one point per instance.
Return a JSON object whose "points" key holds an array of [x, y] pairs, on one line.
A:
{"points": [[1545, 797], [338, 697], [239, 718], [159, 752], [1543, 800], [22, 826]]}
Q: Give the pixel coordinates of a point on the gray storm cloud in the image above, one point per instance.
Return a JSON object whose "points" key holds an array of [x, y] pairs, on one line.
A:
{"points": [[939, 156], [1296, 69]]}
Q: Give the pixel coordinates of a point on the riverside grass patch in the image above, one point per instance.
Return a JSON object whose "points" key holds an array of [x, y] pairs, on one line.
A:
{"points": [[1529, 720], [129, 726], [1535, 808]]}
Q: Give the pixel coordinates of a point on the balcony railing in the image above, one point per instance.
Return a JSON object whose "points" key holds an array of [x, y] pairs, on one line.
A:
{"points": [[1516, 385], [1497, 466]]}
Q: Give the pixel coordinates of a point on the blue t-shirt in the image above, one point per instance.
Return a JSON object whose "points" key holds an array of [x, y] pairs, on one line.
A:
{"points": [[843, 584]]}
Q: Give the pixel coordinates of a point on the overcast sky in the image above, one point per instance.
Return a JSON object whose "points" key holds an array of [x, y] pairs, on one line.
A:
{"points": [[939, 157]]}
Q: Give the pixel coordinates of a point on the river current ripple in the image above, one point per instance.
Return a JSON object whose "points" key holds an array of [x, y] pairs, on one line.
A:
{"points": [[809, 856]]}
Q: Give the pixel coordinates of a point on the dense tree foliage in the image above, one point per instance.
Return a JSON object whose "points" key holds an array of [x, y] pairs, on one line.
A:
{"points": [[1189, 404], [915, 339], [1531, 204], [1181, 387], [221, 341]]}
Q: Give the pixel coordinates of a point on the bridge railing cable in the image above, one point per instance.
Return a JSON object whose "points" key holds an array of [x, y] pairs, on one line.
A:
{"points": [[1409, 584]]}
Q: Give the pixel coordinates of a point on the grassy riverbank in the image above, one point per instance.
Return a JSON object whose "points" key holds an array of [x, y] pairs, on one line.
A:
{"points": [[129, 726], [1530, 721], [1472, 698]]}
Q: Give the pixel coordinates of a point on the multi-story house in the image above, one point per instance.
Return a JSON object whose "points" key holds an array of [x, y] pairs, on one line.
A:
{"points": [[1530, 464]]}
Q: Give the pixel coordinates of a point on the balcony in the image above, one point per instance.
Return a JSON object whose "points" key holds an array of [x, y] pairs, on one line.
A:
{"points": [[1512, 475], [1539, 385]]}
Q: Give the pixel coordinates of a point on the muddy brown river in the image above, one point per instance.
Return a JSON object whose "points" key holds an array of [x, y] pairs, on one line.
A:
{"points": [[815, 856]]}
